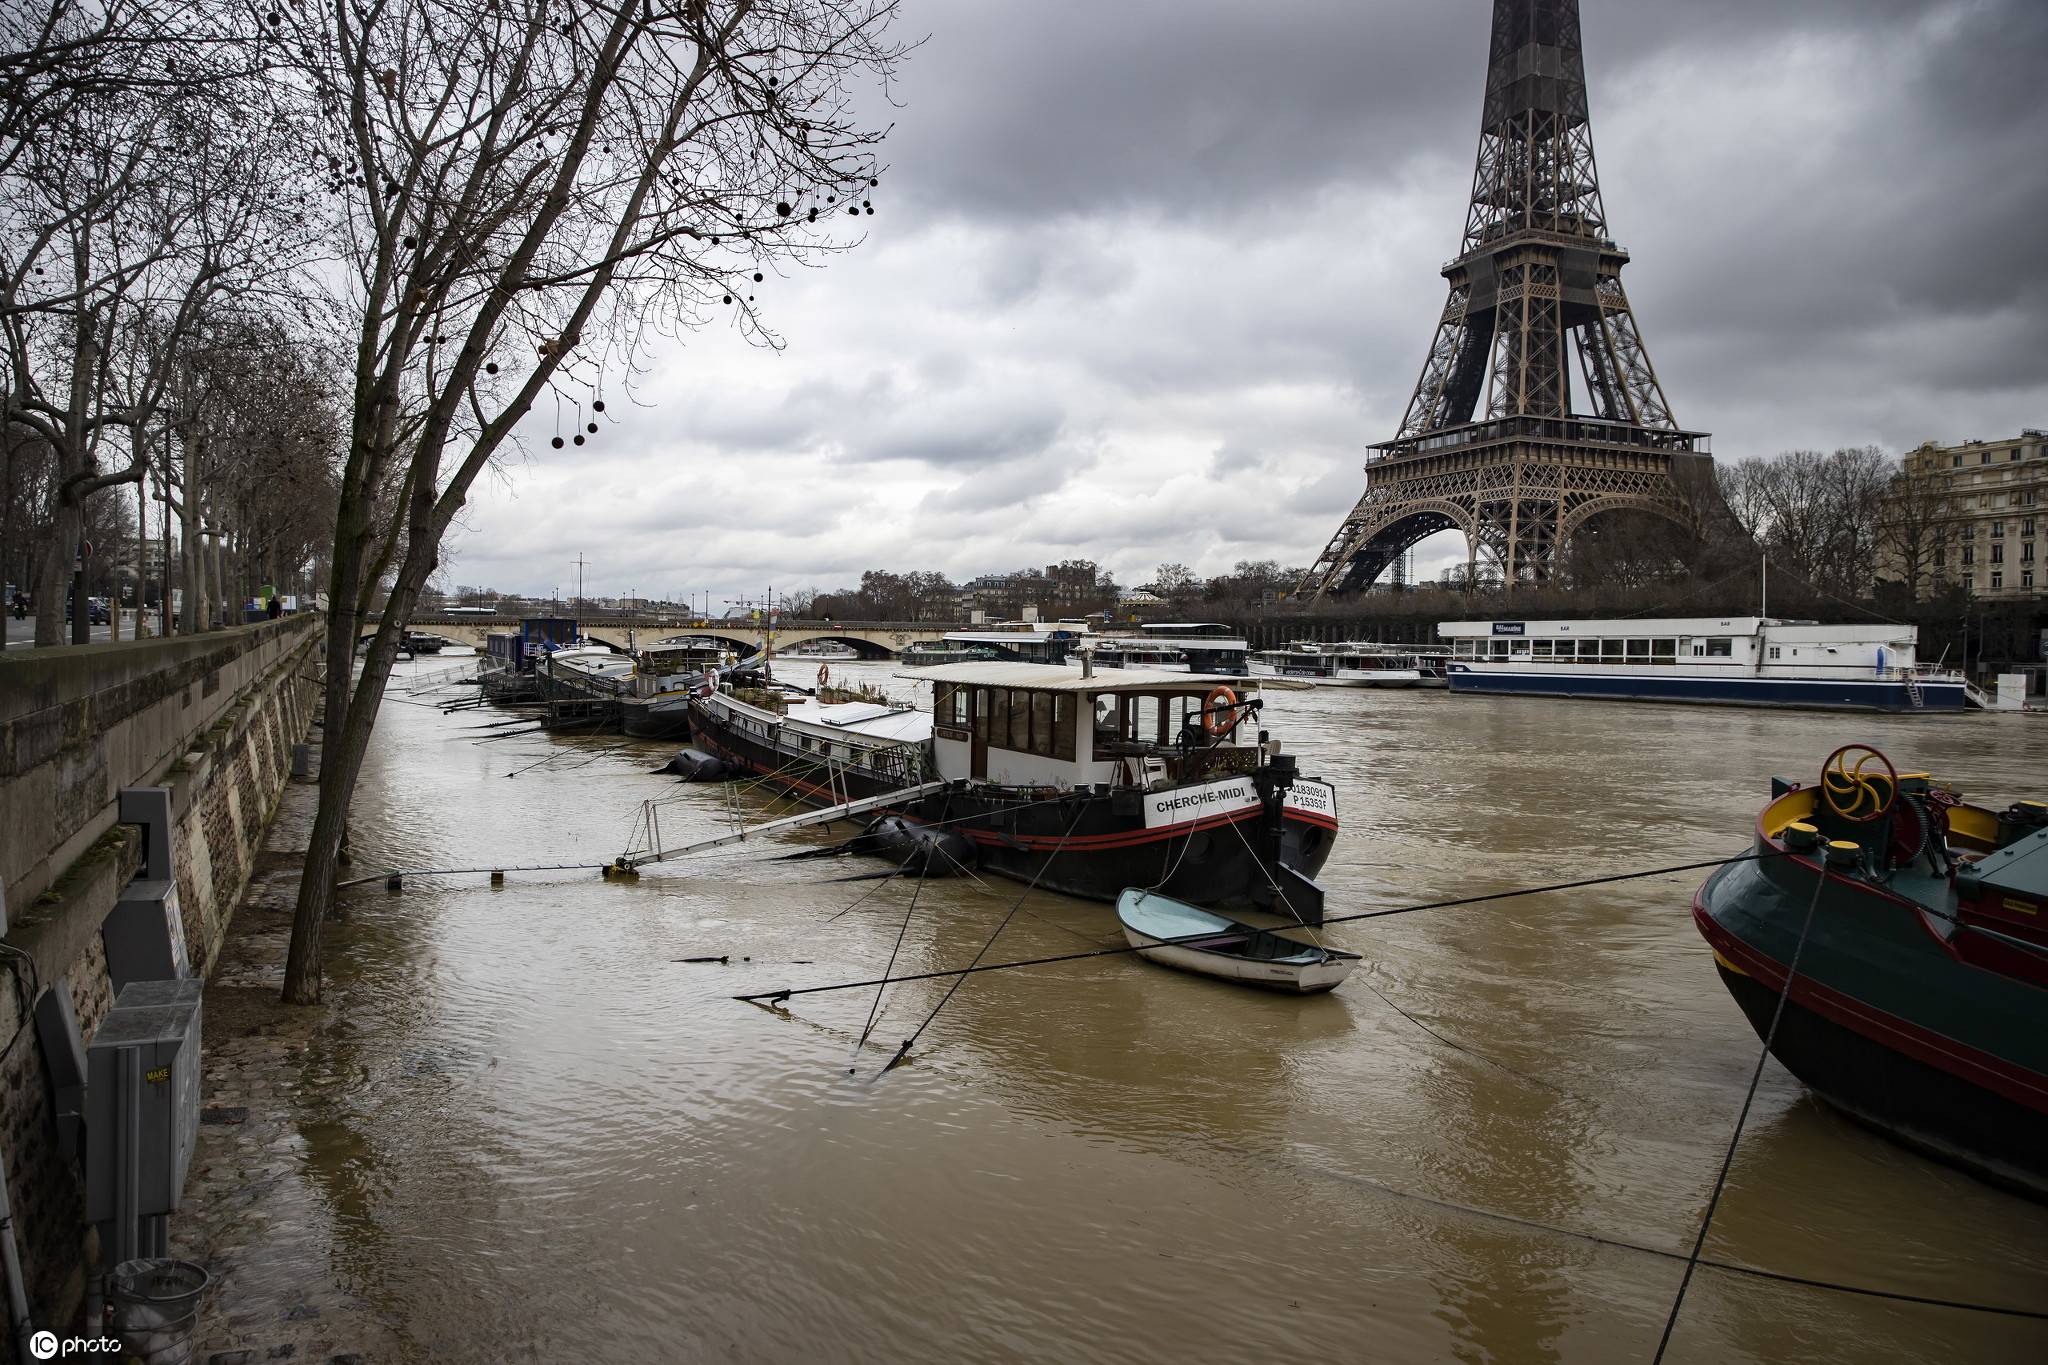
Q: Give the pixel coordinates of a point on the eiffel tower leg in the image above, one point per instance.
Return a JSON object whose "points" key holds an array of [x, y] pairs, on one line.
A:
{"points": [[1514, 527]]}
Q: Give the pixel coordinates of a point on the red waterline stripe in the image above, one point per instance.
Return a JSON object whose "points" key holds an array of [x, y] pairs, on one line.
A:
{"points": [[1994, 1073]]}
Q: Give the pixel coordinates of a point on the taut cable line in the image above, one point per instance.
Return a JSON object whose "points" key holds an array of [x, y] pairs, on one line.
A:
{"points": [[776, 997], [1699, 1242]]}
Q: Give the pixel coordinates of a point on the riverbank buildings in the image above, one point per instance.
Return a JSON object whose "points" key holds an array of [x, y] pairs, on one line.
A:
{"points": [[1972, 516]]}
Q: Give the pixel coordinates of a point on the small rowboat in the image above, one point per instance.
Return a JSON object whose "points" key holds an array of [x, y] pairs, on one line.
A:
{"points": [[1177, 934]]}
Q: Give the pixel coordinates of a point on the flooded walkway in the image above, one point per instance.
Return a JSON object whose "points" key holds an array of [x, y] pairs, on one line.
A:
{"points": [[523, 1128]]}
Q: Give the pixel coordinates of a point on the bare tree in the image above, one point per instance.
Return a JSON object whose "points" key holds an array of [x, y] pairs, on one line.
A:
{"points": [[1912, 522], [139, 191], [1815, 514], [528, 190], [1176, 583]]}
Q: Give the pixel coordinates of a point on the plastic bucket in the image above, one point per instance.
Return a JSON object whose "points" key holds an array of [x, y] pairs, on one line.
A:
{"points": [[153, 1305]]}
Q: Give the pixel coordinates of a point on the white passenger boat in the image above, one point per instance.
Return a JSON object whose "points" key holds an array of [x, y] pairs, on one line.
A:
{"points": [[1024, 642], [927, 653], [1731, 660], [1176, 934], [1178, 647], [1354, 664], [821, 651]]}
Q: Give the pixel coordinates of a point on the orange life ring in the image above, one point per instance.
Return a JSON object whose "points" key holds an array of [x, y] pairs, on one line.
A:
{"points": [[824, 674], [1216, 709]]}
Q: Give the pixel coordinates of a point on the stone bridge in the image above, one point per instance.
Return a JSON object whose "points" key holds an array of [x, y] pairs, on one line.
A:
{"points": [[869, 639]]}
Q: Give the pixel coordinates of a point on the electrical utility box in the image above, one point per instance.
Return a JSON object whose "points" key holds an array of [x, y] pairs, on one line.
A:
{"points": [[142, 1113], [144, 933]]}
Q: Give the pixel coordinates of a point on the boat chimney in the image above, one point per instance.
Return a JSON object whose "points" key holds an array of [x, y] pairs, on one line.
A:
{"points": [[1087, 662]]}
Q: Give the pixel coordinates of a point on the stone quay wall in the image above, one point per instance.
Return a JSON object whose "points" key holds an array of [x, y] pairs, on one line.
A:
{"points": [[213, 717]]}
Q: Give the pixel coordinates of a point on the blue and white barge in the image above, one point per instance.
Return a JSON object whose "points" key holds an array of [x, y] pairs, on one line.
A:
{"points": [[1731, 661]]}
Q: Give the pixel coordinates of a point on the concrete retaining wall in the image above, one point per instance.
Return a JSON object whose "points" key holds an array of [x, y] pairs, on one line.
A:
{"points": [[213, 717]]}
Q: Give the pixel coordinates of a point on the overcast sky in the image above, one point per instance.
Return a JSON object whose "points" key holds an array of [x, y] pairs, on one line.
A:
{"points": [[1145, 279]]}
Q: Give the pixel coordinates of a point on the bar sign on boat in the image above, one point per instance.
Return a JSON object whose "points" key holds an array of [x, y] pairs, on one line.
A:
{"points": [[1510, 628], [1199, 803]]}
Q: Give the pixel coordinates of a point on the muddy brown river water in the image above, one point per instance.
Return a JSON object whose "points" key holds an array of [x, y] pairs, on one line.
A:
{"points": [[1489, 1145]]}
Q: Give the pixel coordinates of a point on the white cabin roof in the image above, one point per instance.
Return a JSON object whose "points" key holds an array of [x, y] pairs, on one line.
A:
{"points": [[890, 724], [1053, 678]]}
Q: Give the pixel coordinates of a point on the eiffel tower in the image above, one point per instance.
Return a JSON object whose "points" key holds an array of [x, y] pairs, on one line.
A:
{"points": [[1536, 286]]}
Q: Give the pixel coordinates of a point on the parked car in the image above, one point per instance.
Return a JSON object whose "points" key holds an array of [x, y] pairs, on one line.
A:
{"points": [[95, 610]]}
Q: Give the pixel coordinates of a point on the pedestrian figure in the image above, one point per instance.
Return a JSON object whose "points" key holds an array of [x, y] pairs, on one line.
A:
{"points": [[274, 607]]}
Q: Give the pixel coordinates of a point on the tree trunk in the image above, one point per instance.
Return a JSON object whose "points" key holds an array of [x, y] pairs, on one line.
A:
{"points": [[57, 560], [190, 558], [342, 750]]}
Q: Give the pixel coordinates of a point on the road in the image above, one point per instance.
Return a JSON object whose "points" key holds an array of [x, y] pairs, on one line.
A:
{"points": [[22, 634]]}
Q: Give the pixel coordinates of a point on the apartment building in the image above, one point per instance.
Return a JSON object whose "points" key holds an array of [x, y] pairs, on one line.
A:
{"points": [[1975, 515]]}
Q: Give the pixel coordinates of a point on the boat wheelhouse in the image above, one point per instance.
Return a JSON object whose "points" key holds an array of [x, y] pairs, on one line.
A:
{"points": [[1078, 782], [507, 667], [1735, 660], [656, 704], [1354, 663], [1178, 646], [1906, 933]]}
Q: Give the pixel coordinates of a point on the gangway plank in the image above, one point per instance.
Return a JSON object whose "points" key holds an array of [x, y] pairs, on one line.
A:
{"points": [[823, 815]]}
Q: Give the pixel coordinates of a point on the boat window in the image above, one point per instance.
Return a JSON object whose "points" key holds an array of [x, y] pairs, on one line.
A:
{"points": [[1500, 649], [1041, 723], [986, 700], [1589, 649], [1462, 648], [1063, 726], [1610, 650], [1774, 651], [1540, 648], [1664, 651], [1020, 721], [1143, 719], [1721, 647], [1639, 651]]}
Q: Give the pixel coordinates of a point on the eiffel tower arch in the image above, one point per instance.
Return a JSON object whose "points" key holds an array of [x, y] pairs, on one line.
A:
{"points": [[1575, 423]]}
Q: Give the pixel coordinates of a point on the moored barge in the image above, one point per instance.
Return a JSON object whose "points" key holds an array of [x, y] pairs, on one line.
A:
{"points": [[1078, 782], [1919, 925]]}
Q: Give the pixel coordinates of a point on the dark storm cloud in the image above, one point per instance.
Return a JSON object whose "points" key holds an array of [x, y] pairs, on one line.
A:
{"points": [[1077, 107], [1148, 278]]}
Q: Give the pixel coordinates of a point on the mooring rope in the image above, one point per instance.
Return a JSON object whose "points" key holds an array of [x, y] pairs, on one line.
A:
{"points": [[867, 1029], [1748, 1098], [460, 871], [1081, 810], [788, 992], [1622, 1244]]}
